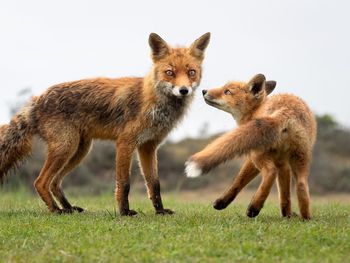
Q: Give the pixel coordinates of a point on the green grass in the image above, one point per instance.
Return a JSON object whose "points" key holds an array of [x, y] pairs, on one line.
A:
{"points": [[196, 233]]}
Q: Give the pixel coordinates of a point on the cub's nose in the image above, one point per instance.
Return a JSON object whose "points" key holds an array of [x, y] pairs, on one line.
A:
{"points": [[183, 91], [204, 92]]}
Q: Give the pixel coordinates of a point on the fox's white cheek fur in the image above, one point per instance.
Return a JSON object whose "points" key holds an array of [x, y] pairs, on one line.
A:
{"points": [[234, 112], [192, 169], [176, 91]]}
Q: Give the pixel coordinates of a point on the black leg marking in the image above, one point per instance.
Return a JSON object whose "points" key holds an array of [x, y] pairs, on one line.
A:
{"points": [[124, 202], [252, 211], [157, 201]]}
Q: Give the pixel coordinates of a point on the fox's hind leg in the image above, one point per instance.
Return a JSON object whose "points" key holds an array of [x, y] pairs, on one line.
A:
{"points": [[148, 162], [284, 186], [59, 153], [269, 173], [300, 166], [247, 173], [56, 184]]}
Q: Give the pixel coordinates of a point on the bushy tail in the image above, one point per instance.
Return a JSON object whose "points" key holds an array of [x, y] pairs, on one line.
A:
{"points": [[254, 135], [15, 141]]}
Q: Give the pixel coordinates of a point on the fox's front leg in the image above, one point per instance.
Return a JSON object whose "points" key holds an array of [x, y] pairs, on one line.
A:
{"points": [[148, 163], [253, 135], [211, 156], [247, 173], [123, 164]]}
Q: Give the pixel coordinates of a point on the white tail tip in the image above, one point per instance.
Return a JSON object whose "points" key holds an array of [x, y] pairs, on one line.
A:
{"points": [[192, 170]]}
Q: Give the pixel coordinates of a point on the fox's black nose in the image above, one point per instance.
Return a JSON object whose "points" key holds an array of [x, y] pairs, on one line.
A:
{"points": [[183, 91], [204, 92]]}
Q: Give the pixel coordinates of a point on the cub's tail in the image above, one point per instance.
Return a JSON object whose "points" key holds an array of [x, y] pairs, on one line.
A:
{"points": [[16, 140]]}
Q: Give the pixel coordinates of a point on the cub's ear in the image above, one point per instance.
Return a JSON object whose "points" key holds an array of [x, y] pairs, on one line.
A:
{"points": [[270, 85], [199, 45], [256, 84], [158, 46]]}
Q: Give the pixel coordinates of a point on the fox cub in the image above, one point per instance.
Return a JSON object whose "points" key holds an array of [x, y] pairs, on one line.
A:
{"points": [[137, 113], [275, 133]]}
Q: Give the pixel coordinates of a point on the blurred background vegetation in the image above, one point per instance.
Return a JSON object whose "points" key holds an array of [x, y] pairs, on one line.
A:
{"points": [[330, 170]]}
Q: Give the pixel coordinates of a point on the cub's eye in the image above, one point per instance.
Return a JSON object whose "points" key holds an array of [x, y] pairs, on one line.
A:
{"points": [[192, 72], [169, 73], [227, 92]]}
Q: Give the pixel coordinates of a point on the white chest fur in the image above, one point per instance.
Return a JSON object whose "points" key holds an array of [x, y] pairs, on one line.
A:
{"points": [[162, 118]]}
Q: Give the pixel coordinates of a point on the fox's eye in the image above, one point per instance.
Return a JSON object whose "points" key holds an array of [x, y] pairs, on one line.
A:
{"points": [[192, 72], [227, 92], [169, 73]]}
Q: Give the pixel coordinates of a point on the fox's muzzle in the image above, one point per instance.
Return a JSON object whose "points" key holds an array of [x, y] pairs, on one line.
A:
{"points": [[210, 100], [183, 91]]}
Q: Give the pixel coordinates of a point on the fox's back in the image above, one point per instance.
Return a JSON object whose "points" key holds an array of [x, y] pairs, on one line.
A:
{"points": [[100, 101]]}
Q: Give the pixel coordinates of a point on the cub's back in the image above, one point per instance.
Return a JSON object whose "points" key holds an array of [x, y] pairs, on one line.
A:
{"points": [[293, 113]]}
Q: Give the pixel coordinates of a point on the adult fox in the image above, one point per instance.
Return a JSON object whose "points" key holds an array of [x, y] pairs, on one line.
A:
{"points": [[137, 113], [276, 133]]}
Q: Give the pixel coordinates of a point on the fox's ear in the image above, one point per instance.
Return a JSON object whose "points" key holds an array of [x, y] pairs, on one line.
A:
{"points": [[256, 84], [270, 85], [158, 46], [199, 45]]}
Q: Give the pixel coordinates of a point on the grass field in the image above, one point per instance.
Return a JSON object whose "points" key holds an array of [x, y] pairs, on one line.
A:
{"points": [[196, 233]]}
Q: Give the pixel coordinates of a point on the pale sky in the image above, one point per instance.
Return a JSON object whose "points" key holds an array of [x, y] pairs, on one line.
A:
{"points": [[303, 45]]}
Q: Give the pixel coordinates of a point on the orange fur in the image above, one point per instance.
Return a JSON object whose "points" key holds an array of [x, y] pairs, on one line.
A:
{"points": [[275, 133], [137, 113]]}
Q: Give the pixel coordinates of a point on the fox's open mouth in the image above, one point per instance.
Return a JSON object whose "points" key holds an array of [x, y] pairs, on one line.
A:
{"points": [[212, 103]]}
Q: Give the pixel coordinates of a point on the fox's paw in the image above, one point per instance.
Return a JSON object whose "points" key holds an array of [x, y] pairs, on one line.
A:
{"points": [[63, 211], [78, 209], [69, 210], [128, 213], [290, 215], [165, 212], [220, 204], [192, 169], [306, 216], [252, 211]]}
